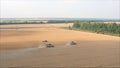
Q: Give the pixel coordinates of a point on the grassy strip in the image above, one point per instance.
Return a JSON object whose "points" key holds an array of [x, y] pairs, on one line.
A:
{"points": [[77, 29]]}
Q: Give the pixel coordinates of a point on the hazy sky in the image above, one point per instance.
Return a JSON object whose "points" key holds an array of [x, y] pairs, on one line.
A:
{"points": [[60, 8]]}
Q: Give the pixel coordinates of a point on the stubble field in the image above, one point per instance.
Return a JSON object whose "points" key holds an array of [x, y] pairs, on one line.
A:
{"points": [[19, 47]]}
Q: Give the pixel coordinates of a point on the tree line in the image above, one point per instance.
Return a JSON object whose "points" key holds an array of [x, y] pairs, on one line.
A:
{"points": [[99, 27], [34, 22]]}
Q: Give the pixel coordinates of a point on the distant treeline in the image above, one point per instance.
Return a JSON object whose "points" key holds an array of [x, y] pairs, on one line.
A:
{"points": [[34, 22], [107, 28], [59, 21], [4, 21]]}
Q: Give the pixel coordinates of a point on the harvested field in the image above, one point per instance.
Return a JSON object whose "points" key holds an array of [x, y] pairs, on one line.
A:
{"points": [[19, 47]]}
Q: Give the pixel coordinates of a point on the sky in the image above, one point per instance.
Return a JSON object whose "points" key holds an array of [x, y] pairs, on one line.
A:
{"points": [[60, 9]]}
